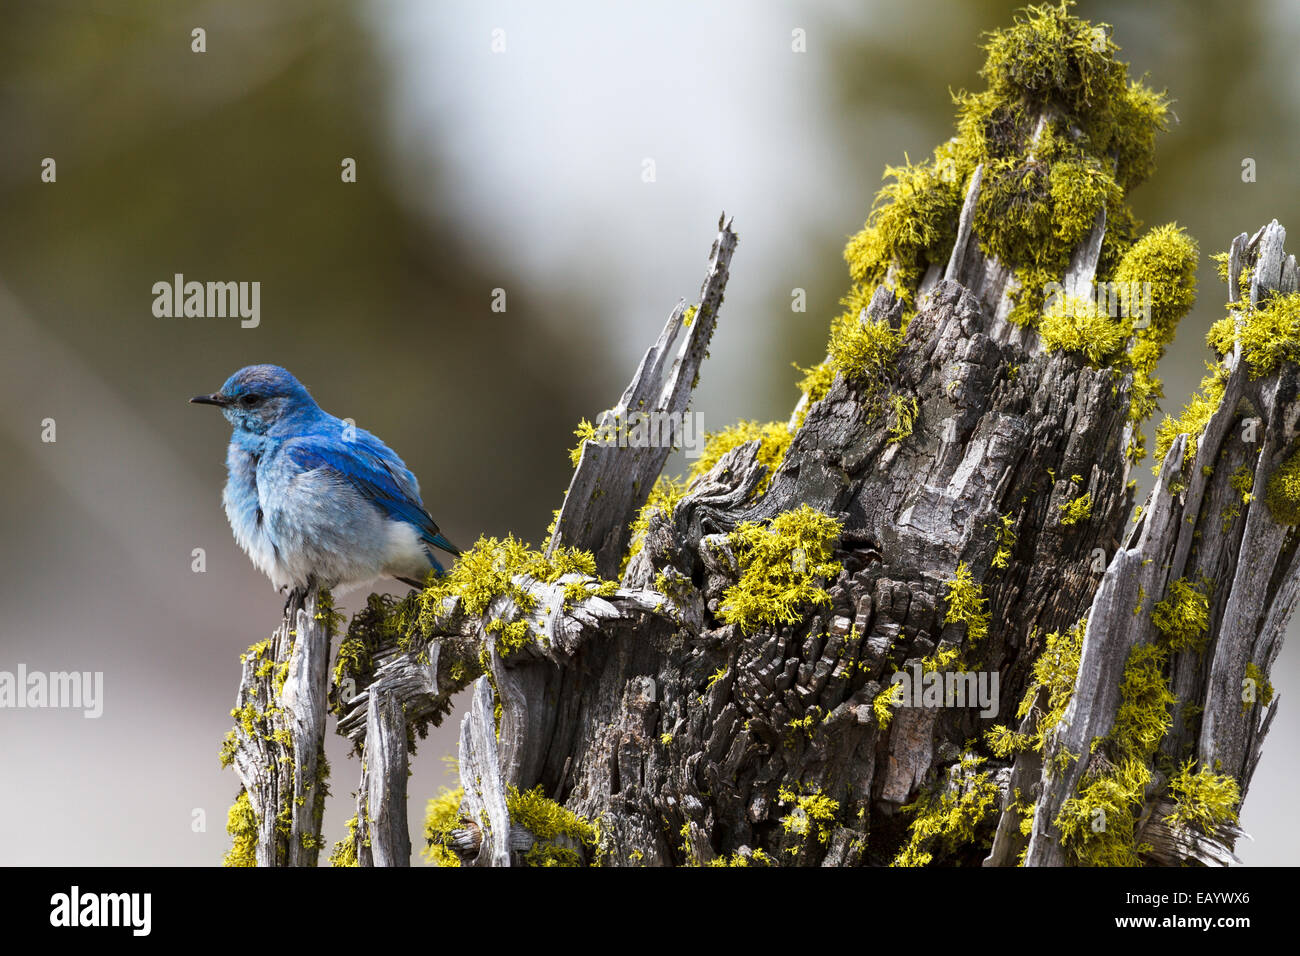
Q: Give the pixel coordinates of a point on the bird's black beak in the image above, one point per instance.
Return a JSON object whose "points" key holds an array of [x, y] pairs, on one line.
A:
{"points": [[213, 399]]}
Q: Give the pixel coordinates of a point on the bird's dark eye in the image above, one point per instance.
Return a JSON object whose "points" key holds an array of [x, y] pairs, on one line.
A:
{"points": [[248, 401]]}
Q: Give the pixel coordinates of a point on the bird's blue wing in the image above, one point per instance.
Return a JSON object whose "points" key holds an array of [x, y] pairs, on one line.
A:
{"points": [[379, 475]]}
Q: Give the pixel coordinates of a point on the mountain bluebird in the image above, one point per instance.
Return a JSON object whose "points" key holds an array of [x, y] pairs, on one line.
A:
{"points": [[316, 500]]}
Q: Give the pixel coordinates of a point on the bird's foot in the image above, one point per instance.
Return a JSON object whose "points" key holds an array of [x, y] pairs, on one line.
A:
{"points": [[298, 595], [294, 600]]}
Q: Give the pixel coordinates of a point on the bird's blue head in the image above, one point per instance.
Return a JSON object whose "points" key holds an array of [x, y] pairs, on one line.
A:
{"points": [[259, 397]]}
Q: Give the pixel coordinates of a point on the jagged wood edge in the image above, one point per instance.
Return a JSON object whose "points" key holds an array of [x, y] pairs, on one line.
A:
{"points": [[613, 479]]}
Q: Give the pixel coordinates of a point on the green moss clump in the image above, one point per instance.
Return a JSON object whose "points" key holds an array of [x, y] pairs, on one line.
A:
{"points": [[1006, 743], [1098, 825], [1183, 617], [441, 817], [1079, 188], [1080, 509], [1195, 417], [241, 824], [949, 820], [1054, 673], [1203, 799], [1156, 276], [1222, 337], [345, 850], [585, 432], [904, 415], [1269, 335], [943, 659], [575, 592], [1048, 56], [967, 604], [383, 622], [663, 498], [1241, 481], [488, 569], [560, 833], [1032, 215], [1221, 262], [1143, 717], [229, 746], [1282, 493], [813, 815], [913, 222], [756, 858], [1074, 324], [353, 658], [1264, 692], [326, 611], [492, 569], [1165, 259], [1006, 542], [511, 636], [781, 565], [883, 704], [863, 349]]}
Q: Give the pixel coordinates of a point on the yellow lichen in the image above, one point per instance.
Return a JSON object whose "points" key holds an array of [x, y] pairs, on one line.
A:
{"points": [[1183, 617], [1282, 493], [967, 604], [1080, 509], [781, 566], [1203, 799]]}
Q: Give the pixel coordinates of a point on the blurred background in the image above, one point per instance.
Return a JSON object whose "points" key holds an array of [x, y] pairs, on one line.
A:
{"points": [[522, 170]]}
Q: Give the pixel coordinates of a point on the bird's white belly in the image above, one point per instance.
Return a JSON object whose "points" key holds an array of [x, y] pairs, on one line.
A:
{"points": [[263, 554], [249, 528], [312, 526]]}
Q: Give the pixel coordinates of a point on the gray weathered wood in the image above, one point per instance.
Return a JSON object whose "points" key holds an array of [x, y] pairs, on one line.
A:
{"points": [[280, 764], [614, 476], [383, 789], [480, 770]]}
